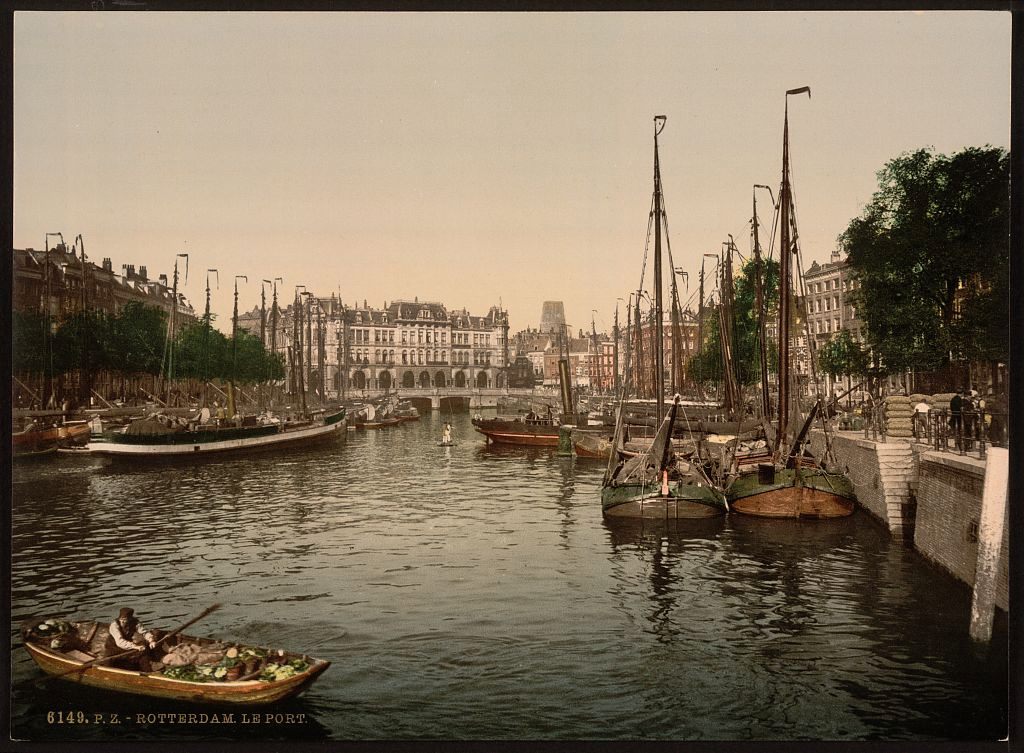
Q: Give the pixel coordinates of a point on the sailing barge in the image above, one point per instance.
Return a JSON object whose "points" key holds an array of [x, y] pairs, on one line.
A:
{"points": [[657, 483], [790, 482], [234, 674]]}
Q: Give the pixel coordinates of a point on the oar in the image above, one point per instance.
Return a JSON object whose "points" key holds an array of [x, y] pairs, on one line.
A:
{"points": [[104, 659]]}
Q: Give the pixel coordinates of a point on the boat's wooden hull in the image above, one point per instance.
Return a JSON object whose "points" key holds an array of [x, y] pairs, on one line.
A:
{"points": [[178, 446], [793, 493], [518, 432], [71, 434], [35, 443], [249, 692], [646, 501], [591, 445]]}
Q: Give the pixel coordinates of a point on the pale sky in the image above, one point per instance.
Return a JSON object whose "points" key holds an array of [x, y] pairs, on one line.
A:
{"points": [[470, 157]]}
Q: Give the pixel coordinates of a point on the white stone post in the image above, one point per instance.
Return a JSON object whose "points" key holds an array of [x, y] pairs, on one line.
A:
{"points": [[991, 526]]}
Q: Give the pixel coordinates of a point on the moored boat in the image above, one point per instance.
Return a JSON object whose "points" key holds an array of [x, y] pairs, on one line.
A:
{"points": [[789, 482], [35, 440], [406, 411], [529, 430], [657, 482], [73, 434], [151, 439], [591, 444], [220, 673]]}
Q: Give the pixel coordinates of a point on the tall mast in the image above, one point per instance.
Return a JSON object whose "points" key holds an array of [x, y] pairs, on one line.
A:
{"points": [[308, 375], [206, 332], [640, 384], [700, 334], [785, 278], [171, 332], [677, 336], [615, 351], [300, 364], [85, 385], [47, 328], [263, 312], [344, 353], [630, 384], [321, 353], [760, 273], [596, 360], [659, 355], [273, 321], [234, 348]]}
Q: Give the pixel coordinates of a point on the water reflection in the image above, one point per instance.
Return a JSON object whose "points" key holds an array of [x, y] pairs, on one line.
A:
{"points": [[475, 592]]}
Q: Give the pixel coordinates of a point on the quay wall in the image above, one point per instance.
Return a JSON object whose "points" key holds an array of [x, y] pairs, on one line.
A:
{"points": [[949, 510], [931, 498], [883, 476]]}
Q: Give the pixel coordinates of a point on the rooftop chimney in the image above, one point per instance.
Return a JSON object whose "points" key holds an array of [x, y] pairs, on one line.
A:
{"points": [[163, 279], [107, 265], [142, 274]]}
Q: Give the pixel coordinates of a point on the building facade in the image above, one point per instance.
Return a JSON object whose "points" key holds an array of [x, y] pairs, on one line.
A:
{"points": [[68, 277], [829, 310], [404, 344]]}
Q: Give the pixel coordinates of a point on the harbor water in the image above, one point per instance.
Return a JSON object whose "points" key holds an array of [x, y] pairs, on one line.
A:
{"points": [[474, 592]]}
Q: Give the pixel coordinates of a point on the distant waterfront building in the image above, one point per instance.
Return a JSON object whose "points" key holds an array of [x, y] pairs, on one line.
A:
{"points": [[552, 317], [688, 342], [105, 289], [404, 344]]}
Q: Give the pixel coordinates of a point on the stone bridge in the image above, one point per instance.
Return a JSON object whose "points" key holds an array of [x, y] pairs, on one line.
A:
{"points": [[467, 397]]}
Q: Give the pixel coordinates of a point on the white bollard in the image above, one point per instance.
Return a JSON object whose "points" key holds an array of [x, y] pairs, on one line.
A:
{"points": [[991, 525]]}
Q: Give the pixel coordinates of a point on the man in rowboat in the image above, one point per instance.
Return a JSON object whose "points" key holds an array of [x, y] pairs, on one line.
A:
{"points": [[126, 633]]}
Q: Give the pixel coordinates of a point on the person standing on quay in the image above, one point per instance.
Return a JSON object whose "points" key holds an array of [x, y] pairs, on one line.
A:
{"points": [[956, 416]]}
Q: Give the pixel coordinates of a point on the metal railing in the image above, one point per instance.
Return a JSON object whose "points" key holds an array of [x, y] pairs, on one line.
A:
{"points": [[966, 432]]}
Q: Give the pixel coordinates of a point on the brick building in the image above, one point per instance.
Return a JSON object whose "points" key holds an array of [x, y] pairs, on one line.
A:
{"points": [[105, 289]]}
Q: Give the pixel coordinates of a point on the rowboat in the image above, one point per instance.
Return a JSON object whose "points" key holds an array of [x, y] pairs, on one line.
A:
{"points": [[60, 648], [35, 441]]}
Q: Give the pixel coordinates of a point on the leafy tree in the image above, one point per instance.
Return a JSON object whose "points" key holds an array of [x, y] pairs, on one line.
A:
{"points": [[745, 311], [136, 339], [843, 356], [708, 362], [936, 223], [27, 342]]}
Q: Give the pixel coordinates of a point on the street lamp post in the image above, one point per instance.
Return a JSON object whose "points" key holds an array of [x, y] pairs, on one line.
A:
{"points": [[47, 327]]}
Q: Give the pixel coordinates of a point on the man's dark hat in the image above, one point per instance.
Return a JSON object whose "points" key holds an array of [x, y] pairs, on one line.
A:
{"points": [[126, 613]]}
